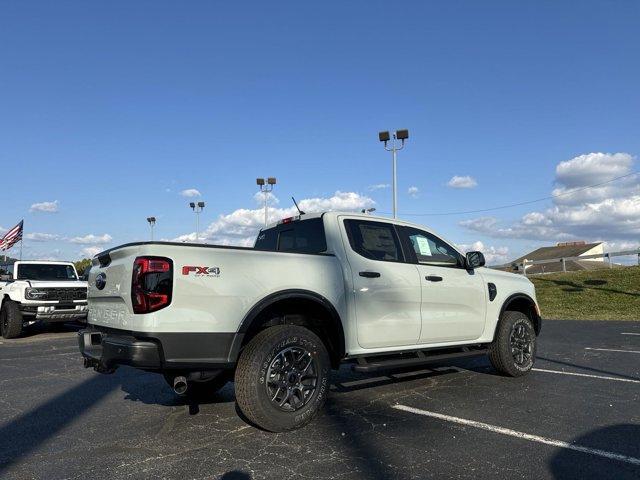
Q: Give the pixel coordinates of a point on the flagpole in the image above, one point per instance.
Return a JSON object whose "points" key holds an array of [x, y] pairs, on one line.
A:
{"points": [[21, 241]]}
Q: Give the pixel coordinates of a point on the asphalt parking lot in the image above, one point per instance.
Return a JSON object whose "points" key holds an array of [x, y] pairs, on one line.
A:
{"points": [[61, 421]]}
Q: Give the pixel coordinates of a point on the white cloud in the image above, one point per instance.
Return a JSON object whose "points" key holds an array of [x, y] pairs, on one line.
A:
{"points": [[41, 237], [52, 255], [241, 226], [31, 253], [621, 246], [91, 239], [378, 186], [271, 198], [90, 252], [609, 212], [190, 193], [593, 168], [493, 255], [462, 182], [491, 227], [47, 207], [414, 192]]}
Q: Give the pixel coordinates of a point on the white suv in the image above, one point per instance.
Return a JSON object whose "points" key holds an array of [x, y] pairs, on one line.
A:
{"points": [[39, 291]]}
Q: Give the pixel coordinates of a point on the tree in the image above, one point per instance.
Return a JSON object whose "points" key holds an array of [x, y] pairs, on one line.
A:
{"points": [[82, 265]]}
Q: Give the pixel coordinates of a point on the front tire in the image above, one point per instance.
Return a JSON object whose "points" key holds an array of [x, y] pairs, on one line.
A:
{"points": [[282, 378], [10, 320], [513, 350]]}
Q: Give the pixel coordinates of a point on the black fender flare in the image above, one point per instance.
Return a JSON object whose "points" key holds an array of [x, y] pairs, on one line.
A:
{"points": [[537, 320], [293, 294]]}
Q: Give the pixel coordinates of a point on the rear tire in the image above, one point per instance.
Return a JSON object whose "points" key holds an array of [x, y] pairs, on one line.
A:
{"points": [[513, 350], [10, 320], [282, 378]]}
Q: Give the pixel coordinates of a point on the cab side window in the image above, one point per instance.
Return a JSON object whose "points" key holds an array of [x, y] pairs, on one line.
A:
{"points": [[374, 240], [431, 250]]}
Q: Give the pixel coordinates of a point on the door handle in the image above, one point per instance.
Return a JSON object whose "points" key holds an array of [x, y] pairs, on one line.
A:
{"points": [[369, 274], [433, 278]]}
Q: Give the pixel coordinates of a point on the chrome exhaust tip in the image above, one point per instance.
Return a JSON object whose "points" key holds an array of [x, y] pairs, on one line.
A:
{"points": [[180, 385]]}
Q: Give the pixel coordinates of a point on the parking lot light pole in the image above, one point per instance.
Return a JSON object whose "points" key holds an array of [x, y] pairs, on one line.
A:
{"points": [[385, 137], [266, 187], [197, 208], [152, 223]]}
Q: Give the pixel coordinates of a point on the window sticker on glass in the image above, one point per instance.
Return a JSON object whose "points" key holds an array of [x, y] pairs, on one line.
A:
{"points": [[423, 246]]}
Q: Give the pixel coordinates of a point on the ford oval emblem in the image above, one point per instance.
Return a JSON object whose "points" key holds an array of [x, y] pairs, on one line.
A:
{"points": [[101, 281]]}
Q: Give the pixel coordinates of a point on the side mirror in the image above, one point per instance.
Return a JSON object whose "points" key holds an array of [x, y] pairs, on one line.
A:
{"points": [[6, 277], [475, 259]]}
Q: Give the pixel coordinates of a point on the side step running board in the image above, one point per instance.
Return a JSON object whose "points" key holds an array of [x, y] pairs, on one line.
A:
{"points": [[374, 364]]}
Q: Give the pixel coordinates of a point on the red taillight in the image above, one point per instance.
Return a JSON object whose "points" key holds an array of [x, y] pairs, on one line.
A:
{"points": [[151, 284]]}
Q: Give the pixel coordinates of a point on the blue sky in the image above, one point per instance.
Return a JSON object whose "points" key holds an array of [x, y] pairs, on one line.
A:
{"points": [[111, 109]]}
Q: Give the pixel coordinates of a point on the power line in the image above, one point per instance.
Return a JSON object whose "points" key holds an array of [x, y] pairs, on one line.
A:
{"points": [[511, 205]]}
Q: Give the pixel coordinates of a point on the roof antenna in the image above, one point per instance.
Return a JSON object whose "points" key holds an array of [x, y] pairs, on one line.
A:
{"points": [[296, 204]]}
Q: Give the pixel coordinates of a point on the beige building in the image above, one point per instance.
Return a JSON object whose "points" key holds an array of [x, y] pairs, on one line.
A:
{"points": [[560, 250]]}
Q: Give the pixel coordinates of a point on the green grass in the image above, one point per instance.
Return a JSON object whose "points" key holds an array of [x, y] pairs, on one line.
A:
{"points": [[608, 294]]}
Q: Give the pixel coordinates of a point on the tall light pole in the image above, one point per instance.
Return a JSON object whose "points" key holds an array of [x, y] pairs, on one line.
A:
{"points": [[197, 208], [152, 223], [266, 186], [400, 135]]}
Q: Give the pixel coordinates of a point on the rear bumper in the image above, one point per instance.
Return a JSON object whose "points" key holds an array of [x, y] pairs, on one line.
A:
{"points": [[107, 348]]}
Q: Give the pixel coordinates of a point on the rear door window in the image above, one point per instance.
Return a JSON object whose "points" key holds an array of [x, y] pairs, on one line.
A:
{"points": [[374, 240]]}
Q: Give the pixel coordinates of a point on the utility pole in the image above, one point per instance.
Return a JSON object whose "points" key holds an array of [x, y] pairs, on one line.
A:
{"points": [[266, 187], [197, 208], [152, 223], [399, 135]]}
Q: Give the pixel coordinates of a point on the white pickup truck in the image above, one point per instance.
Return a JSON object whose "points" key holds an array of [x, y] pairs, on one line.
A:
{"points": [[315, 291], [39, 291]]}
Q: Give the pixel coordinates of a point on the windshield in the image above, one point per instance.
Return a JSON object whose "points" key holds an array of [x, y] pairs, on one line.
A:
{"points": [[43, 271]]}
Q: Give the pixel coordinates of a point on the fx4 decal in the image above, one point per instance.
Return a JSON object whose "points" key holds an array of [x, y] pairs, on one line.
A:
{"points": [[201, 271]]}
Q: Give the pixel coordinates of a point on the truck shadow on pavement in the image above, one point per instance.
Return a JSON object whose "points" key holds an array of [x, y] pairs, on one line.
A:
{"points": [[151, 389]]}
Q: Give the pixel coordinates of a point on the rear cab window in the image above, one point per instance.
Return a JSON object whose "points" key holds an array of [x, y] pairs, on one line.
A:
{"points": [[299, 236]]}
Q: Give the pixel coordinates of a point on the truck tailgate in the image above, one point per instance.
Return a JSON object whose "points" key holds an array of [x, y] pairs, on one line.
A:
{"points": [[110, 305]]}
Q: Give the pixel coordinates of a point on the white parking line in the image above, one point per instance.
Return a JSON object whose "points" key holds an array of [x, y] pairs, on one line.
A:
{"points": [[601, 377], [521, 435], [629, 333], [612, 350]]}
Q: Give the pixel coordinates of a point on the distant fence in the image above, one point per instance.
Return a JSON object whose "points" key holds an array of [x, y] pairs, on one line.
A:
{"points": [[563, 260]]}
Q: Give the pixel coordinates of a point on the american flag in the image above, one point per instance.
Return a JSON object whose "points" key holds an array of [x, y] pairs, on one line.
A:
{"points": [[13, 236]]}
